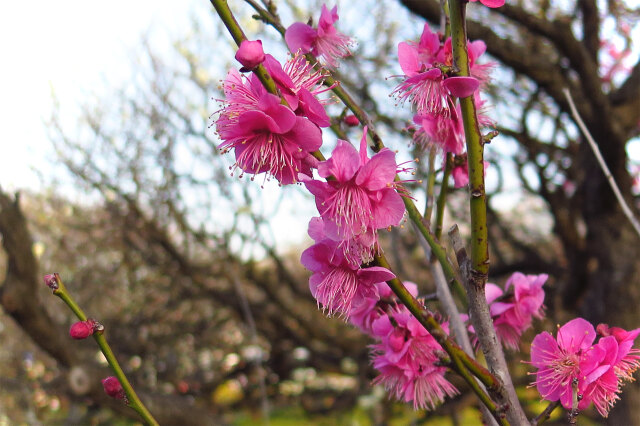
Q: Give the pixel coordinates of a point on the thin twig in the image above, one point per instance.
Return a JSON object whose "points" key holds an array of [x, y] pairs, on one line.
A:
{"points": [[132, 400], [544, 416], [607, 173], [573, 414]]}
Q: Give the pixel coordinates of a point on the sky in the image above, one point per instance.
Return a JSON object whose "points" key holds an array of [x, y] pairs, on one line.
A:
{"points": [[67, 47]]}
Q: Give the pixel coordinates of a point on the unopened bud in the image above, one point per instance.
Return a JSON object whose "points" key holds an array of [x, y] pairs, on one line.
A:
{"points": [[113, 388], [51, 281], [250, 54], [83, 329], [351, 120]]}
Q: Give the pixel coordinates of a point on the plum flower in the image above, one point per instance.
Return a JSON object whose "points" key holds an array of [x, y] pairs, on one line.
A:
{"points": [[336, 283], [368, 309], [406, 358], [425, 84], [447, 133], [628, 359], [513, 313], [266, 136], [325, 42], [362, 197], [599, 369], [562, 360], [299, 85]]}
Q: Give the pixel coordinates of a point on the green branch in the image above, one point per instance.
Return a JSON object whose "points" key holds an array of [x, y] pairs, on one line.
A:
{"points": [[442, 197], [236, 32], [133, 400]]}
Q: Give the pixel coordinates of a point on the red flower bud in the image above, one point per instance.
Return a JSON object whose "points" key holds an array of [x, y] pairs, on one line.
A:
{"points": [[83, 329], [113, 388], [250, 54], [51, 281], [351, 120]]}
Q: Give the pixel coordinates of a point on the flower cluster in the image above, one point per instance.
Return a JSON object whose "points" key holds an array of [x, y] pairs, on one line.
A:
{"points": [[571, 362], [279, 133], [430, 88], [513, 309], [405, 354], [407, 358]]}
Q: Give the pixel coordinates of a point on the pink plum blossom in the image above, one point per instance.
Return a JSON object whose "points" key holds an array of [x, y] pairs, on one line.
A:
{"points": [[406, 358], [512, 311], [447, 133], [266, 136], [628, 358], [324, 42], [368, 309], [299, 85], [250, 54], [598, 369], [425, 84], [460, 174], [564, 359], [336, 283], [512, 315], [361, 197]]}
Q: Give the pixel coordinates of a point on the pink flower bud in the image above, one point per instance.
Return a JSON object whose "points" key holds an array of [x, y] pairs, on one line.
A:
{"points": [[83, 329], [351, 120], [250, 54], [51, 281], [113, 388]]}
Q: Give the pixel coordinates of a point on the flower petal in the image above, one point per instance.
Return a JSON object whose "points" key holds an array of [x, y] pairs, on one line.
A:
{"points": [[379, 171], [300, 36], [576, 334], [461, 87], [343, 164]]}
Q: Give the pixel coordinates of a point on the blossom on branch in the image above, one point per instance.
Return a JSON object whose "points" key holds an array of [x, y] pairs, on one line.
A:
{"points": [[572, 361], [368, 309], [407, 357], [336, 283], [361, 196], [266, 136], [427, 83], [325, 42]]}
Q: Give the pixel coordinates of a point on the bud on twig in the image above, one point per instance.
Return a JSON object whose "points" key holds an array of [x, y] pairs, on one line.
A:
{"points": [[83, 329], [113, 388], [351, 120], [51, 281]]}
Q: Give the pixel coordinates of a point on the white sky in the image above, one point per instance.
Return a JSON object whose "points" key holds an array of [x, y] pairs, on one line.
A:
{"points": [[68, 46]]}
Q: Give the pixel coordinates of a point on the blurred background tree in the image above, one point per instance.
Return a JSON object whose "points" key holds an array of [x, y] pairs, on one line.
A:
{"points": [[195, 272]]}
